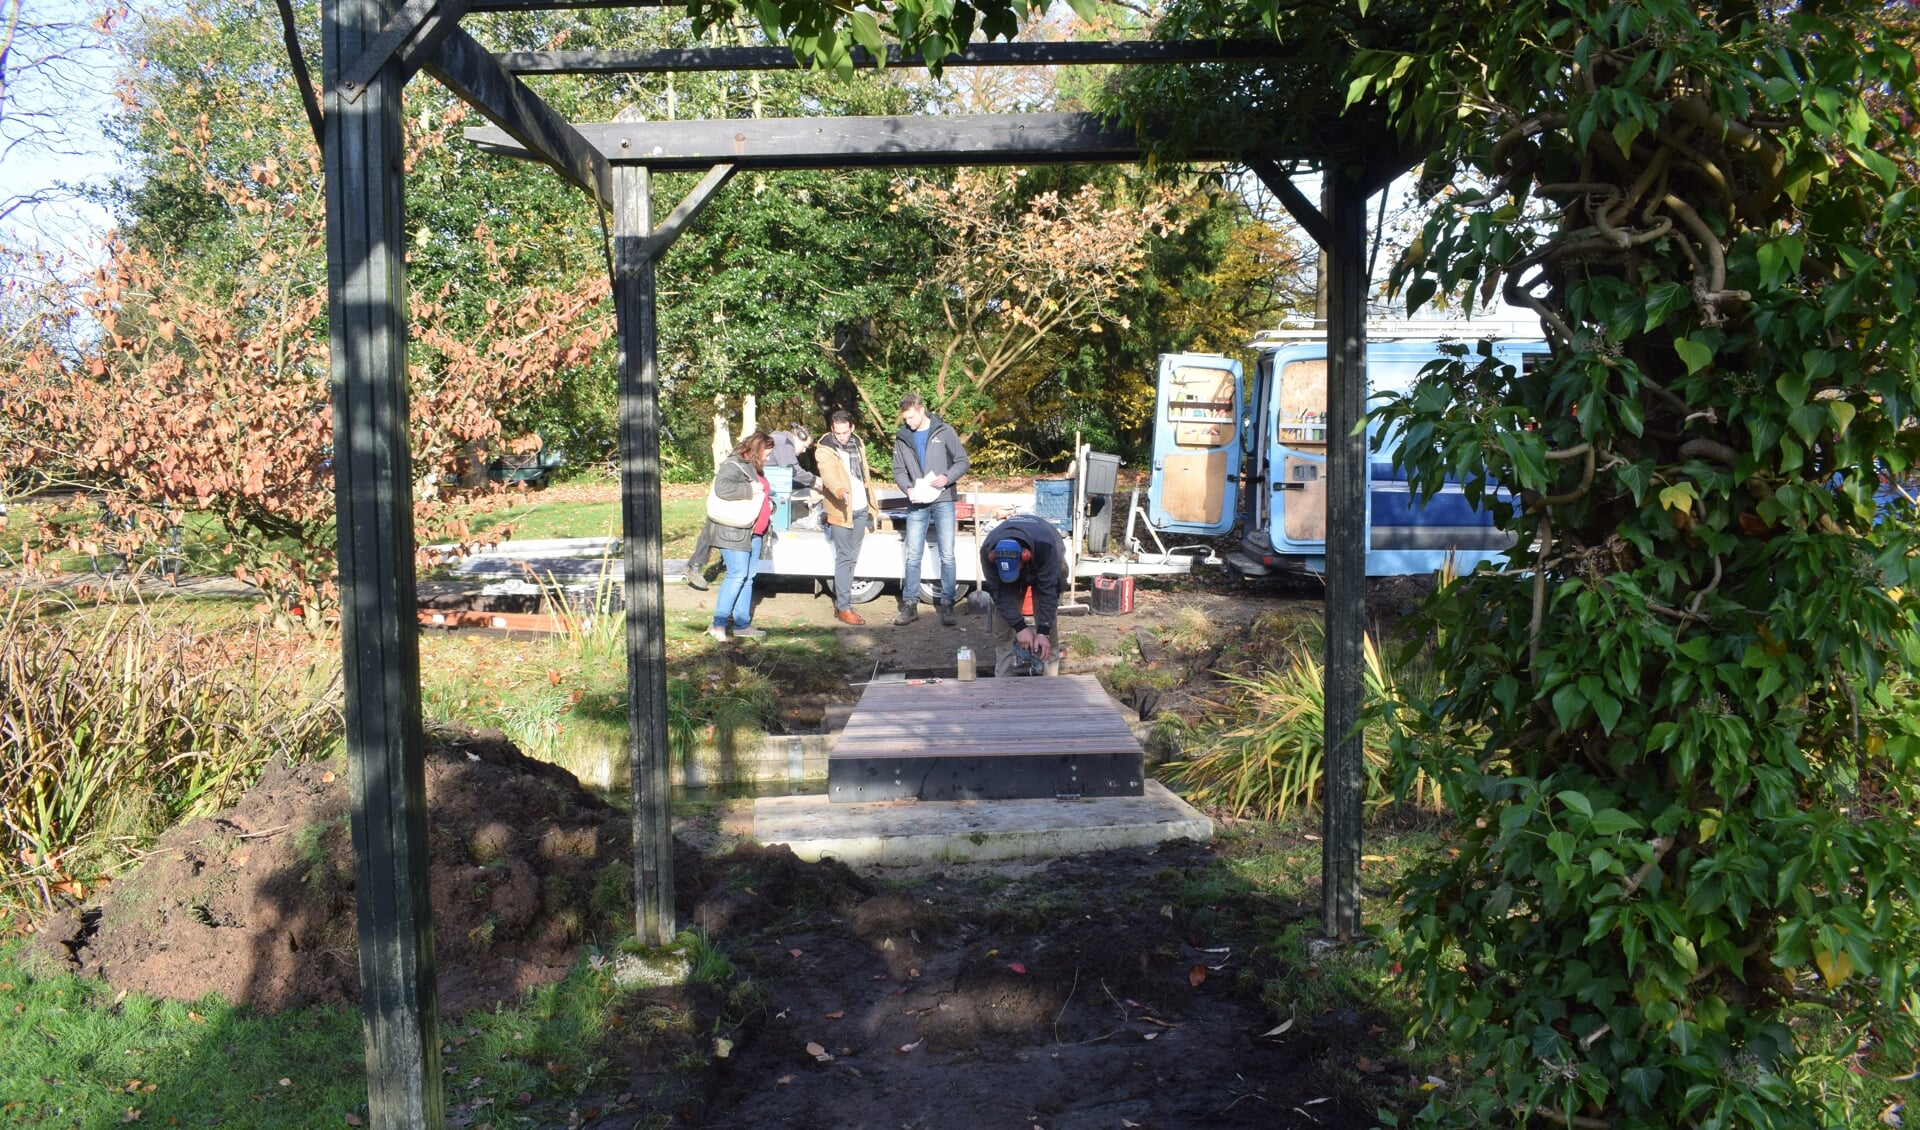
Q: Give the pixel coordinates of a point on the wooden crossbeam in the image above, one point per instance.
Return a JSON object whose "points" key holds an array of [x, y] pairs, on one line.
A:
{"points": [[666, 60], [853, 142], [475, 76]]}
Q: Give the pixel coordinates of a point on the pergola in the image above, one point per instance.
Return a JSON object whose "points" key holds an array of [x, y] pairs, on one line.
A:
{"points": [[371, 49]]}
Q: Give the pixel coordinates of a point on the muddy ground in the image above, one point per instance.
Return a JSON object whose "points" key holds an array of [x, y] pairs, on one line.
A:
{"points": [[1110, 990]]}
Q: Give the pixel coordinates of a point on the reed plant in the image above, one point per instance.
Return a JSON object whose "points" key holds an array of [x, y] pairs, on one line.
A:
{"points": [[1263, 753], [115, 724]]}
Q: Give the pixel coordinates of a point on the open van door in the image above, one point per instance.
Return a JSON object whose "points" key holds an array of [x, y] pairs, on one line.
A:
{"points": [[1198, 418], [1299, 455]]}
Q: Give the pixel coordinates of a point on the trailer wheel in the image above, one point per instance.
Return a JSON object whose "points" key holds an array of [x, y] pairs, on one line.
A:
{"points": [[930, 592], [863, 591]]}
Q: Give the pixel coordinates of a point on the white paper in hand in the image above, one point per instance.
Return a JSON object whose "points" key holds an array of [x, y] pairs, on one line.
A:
{"points": [[923, 491]]}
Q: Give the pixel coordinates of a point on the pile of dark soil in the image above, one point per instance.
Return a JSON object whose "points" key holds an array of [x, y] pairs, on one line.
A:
{"points": [[256, 903]]}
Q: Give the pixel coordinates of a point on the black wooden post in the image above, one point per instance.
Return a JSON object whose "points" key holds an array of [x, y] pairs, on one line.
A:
{"points": [[1345, 207], [366, 290], [634, 313]]}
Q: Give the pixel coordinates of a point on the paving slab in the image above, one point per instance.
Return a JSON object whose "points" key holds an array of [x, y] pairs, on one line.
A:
{"points": [[892, 833]]}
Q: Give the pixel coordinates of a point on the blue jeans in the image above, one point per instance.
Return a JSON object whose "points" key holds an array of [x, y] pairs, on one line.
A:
{"points": [[940, 513], [733, 604]]}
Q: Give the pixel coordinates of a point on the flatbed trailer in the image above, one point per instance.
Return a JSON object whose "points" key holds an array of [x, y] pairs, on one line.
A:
{"points": [[882, 563], [594, 563]]}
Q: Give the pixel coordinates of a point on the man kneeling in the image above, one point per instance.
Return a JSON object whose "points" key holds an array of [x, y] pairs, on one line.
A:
{"points": [[1023, 553]]}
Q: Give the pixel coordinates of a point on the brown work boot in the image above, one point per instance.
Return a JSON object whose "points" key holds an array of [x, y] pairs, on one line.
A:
{"points": [[908, 614], [946, 615], [849, 616]]}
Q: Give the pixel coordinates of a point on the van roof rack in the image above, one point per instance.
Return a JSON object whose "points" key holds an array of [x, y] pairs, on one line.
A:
{"points": [[1419, 330]]}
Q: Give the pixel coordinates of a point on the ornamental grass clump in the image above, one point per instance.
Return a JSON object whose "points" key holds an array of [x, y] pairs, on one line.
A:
{"points": [[116, 725], [1262, 757]]}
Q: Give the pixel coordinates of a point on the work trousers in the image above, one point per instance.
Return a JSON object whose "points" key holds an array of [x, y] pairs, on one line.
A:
{"points": [[846, 541]]}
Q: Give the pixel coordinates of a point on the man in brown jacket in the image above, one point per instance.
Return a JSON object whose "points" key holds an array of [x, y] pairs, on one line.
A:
{"points": [[842, 460]]}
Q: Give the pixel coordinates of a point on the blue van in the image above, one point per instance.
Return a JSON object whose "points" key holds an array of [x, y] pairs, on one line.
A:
{"points": [[1228, 451]]}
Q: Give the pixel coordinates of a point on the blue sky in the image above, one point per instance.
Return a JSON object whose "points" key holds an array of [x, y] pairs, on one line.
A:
{"points": [[59, 89]]}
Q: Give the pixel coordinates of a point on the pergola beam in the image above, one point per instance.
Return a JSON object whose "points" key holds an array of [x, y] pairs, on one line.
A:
{"points": [[379, 635], [1293, 200], [655, 243], [413, 33], [661, 60], [562, 5], [467, 69], [752, 144]]}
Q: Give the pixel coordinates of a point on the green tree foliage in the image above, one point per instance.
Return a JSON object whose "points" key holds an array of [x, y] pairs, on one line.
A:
{"points": [[1678, 733], [1205, 288], [800, 288]]}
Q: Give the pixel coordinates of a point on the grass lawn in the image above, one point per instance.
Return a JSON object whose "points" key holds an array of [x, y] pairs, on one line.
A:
{"points": [[589, 507], [80, 1054]]}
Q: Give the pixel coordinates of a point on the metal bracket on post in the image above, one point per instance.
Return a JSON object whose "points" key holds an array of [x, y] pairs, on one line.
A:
{"points": [[414, 31]]}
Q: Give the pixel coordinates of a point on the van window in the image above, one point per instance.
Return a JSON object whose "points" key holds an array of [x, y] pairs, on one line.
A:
{"points": [[1300, 411], [1200, 406]]}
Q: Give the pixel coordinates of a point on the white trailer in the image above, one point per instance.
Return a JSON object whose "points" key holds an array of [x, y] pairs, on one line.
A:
{"points": [[588, 565], [882, 563]]}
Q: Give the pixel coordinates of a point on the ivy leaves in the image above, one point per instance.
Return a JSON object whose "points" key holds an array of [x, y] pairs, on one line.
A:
{"points": [[1682, 701]]}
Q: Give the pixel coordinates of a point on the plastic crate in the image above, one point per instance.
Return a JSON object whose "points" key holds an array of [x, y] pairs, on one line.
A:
{"points": [[1053, 500]]}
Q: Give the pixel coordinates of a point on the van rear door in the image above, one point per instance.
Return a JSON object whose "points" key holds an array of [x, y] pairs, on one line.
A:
{"points": [[1299, 453], [1199, 417]]}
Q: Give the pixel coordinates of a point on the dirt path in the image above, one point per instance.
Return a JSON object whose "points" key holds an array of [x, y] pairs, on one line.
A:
{"points": [[1081, 993]]}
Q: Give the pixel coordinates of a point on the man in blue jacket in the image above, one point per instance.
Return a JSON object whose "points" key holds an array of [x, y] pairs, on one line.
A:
{"points": [[1024, 552], [928, 460]]}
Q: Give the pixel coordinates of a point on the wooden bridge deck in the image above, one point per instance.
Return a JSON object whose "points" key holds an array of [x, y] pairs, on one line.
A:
{"points": [[986, 739]]}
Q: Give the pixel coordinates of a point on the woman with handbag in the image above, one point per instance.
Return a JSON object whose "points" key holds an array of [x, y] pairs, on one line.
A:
{"points": [[739, 510]]}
